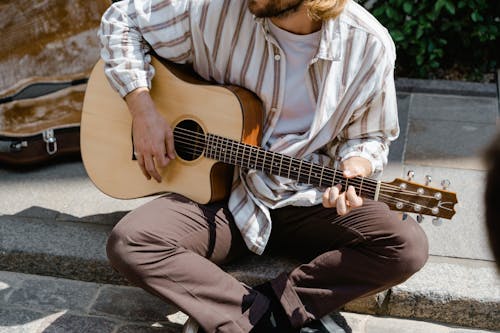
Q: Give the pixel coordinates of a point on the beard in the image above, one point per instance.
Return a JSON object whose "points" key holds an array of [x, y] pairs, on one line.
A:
{"points": [[270, 8]]}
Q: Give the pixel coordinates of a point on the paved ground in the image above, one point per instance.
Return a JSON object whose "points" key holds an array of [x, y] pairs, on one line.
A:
{"points": [[53, 222], [30, 303]]}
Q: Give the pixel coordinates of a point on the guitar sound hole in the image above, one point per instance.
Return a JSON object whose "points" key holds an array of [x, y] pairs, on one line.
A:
{"points": [[189, 140]]}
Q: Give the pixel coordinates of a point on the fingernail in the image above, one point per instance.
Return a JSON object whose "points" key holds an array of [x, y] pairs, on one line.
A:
{"points": [[347, 173]]}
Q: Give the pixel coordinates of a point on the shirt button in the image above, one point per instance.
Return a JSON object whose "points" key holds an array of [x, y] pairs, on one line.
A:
{"points": [[277, 57], [274, 110]]}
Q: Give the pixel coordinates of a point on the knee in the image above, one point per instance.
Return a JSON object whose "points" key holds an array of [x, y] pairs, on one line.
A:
{"points": [[118, 248], [130, 247], [412, 250]]}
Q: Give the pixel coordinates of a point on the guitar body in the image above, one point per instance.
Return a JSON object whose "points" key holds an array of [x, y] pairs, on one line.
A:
{"points": [[107, 143]]}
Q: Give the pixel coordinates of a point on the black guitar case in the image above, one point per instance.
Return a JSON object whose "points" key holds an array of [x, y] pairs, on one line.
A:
{"points": [[49, 49]]}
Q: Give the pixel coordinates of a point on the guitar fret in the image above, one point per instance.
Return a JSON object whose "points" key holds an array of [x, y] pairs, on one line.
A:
{"points": [[207, 150], [216, 150], [272, 162], [289, 167], [237, 154], [321, 176], [249, 156], [334, 176], [256, 158], [361, 186], [232, 153], [298, 173], [281, 164], [310, 171], [264, 161], [224, 141], [242, 154], [219, 147]]}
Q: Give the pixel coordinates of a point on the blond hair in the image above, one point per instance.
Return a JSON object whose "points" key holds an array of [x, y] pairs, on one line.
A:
{"points": [[325, 9]]}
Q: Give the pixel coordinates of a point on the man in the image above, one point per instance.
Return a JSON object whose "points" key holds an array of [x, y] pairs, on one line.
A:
{"points": [[324, 72]]}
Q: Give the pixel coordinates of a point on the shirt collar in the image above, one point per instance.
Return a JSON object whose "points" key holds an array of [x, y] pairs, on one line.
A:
{"points": [[330, 46]]}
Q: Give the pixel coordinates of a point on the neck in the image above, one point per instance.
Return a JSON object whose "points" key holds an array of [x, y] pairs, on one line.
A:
{"points": [[297, 22]]}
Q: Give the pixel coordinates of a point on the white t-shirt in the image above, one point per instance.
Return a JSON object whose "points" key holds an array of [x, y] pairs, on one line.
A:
{"points": [[299, 105]]}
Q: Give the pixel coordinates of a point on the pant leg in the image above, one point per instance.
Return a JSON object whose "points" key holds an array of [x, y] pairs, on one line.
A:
{"points": [[366, 251], [171, 247]]}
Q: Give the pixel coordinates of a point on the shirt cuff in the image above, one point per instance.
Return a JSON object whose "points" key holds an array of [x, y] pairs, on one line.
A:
{"points": [[374, 151], [131, 86]]}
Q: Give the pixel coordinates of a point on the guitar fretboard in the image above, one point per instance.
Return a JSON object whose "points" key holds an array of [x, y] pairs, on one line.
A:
{"points": [[252, 157]]}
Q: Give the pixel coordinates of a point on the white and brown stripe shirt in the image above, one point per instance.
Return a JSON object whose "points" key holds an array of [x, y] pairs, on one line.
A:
{"points": [[351, 79]]}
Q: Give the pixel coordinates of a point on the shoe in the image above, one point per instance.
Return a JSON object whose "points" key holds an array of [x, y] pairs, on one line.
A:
{"points": [[274, 320], [324, 325], [191, 326]]}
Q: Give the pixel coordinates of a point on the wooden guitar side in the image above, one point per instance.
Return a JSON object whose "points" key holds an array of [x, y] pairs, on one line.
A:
{"points": [[106, 134]]}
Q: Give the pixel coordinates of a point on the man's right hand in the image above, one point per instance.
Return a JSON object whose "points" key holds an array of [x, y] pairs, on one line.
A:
{"points": [[153, 136]]}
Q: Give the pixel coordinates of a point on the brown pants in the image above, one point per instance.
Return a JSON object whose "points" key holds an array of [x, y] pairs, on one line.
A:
{"points": [[172, 247]]}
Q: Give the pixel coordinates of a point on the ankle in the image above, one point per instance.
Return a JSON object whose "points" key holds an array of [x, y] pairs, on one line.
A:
{"points": [[275, 319]]}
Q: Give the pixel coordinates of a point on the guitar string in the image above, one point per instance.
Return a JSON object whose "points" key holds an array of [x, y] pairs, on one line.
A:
{"points": [[388, 198], [317, 168], [354, 181], [240, 155], [386, 187]]}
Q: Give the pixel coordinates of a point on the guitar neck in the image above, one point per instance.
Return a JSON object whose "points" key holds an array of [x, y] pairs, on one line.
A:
{"points": [[252, 157], [400, 195]]}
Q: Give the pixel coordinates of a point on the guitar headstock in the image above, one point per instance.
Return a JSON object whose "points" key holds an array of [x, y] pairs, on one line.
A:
{"points": [[408, 196]]}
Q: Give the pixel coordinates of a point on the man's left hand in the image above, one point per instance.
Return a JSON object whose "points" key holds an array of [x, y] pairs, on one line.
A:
{"points": [[346, 200]]}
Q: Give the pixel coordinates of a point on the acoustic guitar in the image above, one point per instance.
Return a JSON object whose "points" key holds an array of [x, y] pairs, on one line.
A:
{"points": [[215, 128]]}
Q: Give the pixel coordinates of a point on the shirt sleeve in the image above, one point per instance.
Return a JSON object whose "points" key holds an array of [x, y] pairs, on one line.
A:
{"points": [[130, 30], [374, 124]]}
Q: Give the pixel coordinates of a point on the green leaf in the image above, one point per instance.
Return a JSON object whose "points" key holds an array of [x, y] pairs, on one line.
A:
{"points": [[379, 12], [408, 7], [434, 64], [438, 6], [390, 12], [397, 35], [430, 46], [476, 17], [450, 7], [419, 59], [420, 32]]}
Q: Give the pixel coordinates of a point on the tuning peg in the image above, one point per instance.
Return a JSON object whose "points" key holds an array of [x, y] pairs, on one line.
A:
{"points": [[428, 180], [410, 175], [445, 183], [437, 221], [420, 218]]}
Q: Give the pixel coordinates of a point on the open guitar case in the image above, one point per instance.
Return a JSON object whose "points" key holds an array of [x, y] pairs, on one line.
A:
{"points": [[49, 49]]}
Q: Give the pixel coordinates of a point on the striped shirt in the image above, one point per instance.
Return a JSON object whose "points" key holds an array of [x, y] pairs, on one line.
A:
{"points": [[351, 78]]}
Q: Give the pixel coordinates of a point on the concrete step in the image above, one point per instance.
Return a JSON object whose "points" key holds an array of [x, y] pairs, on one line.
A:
{"points": [[31, 303], [456, 291]]}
